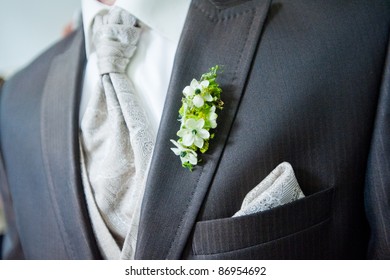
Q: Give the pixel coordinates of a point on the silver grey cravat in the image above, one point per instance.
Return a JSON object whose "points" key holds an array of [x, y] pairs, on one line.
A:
{"points": [[115, 139]]}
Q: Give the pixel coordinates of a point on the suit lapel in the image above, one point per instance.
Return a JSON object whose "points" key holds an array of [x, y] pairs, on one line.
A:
{"points": [[60, 148], [216, 32]]}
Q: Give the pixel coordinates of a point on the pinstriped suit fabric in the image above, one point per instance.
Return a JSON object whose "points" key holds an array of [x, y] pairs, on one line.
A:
{"points": [[305, 82]]}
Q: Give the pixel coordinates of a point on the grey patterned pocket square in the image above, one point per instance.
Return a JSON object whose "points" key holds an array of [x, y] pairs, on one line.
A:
{"points": [[278, 188]]}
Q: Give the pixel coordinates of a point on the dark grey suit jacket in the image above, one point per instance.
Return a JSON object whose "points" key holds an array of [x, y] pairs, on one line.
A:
{"points": [[304, 81]]}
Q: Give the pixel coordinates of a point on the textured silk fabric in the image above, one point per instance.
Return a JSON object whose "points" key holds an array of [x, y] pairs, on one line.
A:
{"points": [[151, 66], [278, 188], [116, 139], [309, 90]]}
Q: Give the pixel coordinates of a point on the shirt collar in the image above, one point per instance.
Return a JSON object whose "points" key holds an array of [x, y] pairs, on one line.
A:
{"points": [[165, 17]]}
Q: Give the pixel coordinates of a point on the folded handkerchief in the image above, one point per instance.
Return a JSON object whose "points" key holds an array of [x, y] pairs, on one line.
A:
{"points": [[278, 188]]}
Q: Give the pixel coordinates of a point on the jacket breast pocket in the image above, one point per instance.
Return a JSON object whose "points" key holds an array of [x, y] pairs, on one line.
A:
{"points": [[298, 230]]}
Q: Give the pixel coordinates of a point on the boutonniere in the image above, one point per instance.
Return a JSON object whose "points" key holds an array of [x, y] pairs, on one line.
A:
{"points": [[197, 117]]}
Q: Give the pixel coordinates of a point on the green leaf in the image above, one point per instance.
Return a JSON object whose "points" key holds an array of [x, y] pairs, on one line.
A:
{"points": [[188, 110]]}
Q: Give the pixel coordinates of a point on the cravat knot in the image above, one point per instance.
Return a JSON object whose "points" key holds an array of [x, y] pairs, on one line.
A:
{"points": [[115, 36]]}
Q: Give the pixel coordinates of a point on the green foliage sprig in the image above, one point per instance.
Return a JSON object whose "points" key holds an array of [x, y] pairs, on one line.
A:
{"points": [[198, 117]]}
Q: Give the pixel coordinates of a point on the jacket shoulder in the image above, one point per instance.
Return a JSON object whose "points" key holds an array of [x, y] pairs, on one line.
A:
{"points": [[37, 70]]}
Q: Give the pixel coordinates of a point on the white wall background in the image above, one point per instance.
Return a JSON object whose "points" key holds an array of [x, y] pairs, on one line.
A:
{"points": [[27, 27]]}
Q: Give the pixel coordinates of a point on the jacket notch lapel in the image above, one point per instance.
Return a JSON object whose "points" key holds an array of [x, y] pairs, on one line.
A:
{"points": [[214, 33], [60, 148]]}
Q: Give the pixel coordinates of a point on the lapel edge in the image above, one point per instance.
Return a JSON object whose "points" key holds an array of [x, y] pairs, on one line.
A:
{"points": [[176, 243], [59, 132]]}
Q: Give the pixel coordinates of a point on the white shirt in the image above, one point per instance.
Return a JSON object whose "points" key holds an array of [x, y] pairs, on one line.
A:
{"points": [[150, 68]]}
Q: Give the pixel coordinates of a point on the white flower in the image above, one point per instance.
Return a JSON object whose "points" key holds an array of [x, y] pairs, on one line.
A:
{"points": [[195, 88], [200, 99], [197, 116], [196, 91], [193, 133], [213, 117], [186, 155]]}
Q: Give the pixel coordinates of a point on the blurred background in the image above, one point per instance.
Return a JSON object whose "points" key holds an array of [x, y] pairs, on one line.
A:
{"points": [[26, 29], [29, 27]]}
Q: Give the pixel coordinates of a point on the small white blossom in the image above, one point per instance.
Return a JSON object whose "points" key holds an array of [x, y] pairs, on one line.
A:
{"points": [[197, 116], [196, 91], [213, 117], [195, 88], [200, 99], [186, 155], [193, 133]]}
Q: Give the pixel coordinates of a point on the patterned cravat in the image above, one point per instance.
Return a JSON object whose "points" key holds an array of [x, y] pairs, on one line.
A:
{"points": [[115, 139]]}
